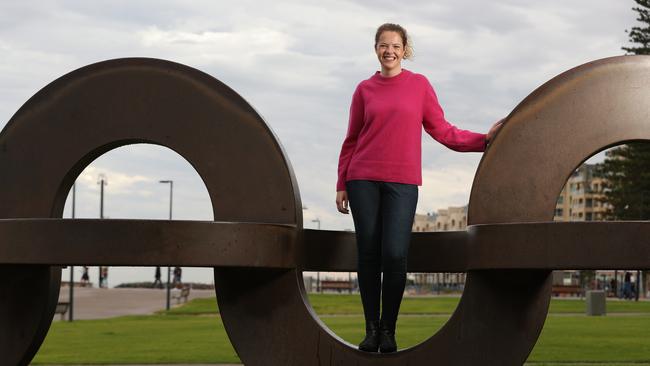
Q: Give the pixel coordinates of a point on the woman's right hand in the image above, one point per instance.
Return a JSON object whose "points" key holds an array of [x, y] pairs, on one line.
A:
{"points": [[494, 129], [342, 201]]}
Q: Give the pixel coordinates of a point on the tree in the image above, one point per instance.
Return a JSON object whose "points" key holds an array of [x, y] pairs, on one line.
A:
{"points": [[587, 279], [640, 35], [627, 167], [627, 170]]}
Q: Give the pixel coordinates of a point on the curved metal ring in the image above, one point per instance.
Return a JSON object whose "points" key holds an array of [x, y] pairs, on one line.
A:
{"points": [[544, 139], [92, 110]]}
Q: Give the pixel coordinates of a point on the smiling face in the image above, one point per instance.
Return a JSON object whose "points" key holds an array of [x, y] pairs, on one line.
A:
{"points": [[390, 52]]}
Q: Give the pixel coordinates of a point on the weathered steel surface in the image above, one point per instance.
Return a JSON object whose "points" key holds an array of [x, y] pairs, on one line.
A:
{"points": [[508, 250], [561, 245], [429, 251], [542, 245], [158, 242], [535, 245]]}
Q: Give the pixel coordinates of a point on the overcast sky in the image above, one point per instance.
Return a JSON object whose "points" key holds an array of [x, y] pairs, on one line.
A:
{"points": [[297, 63]]}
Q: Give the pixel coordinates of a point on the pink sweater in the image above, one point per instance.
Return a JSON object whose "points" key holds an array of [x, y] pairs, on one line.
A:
{"points": [[384, 139]]}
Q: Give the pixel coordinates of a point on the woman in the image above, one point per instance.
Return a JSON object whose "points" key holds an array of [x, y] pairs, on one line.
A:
{"points": [[380, 171]]}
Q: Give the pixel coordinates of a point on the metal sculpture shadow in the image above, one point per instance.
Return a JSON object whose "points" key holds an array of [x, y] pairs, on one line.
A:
{"points": [[257, 244]]}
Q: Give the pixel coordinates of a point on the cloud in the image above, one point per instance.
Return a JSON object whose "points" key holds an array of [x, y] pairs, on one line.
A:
{"points": [[133, 191], [447, 185], [121, 183], [243, 45]]}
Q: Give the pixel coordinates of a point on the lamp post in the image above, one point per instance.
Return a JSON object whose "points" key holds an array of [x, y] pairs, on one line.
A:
{"points": [[350, 273], [638, 272], [101, 180], [171, 198], [318, 287], [70, 313]]}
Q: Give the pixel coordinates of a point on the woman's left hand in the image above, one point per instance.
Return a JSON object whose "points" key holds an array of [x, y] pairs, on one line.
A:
{"points": [[494, 129]]}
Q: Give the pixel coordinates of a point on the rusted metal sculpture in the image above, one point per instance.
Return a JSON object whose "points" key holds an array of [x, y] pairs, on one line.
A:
{"points": [[257, 244]]}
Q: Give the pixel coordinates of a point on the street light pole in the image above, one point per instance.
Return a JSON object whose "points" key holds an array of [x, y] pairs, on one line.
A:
{"points": [[318, 287], [171, 199], [102, 182], [638, 272], [70, 313]]}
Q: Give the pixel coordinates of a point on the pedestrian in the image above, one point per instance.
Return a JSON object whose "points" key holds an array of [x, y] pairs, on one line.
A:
{"points": [[104, 277], [627, 286], [177, 276], [379, 173], [101, 277], [85, 278], [157, 282]]}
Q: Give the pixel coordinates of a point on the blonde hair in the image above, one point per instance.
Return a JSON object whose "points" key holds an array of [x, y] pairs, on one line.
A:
{"points": [[406, 41]]}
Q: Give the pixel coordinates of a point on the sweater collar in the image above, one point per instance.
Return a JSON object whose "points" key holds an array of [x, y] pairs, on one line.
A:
{"points": [[391, 80]]}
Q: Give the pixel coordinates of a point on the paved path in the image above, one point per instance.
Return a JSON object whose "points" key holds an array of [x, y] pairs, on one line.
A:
{"points": [[93, 303]]}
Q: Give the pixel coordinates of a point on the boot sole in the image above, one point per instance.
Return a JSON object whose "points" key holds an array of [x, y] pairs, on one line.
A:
{"points": [[368, 350]]}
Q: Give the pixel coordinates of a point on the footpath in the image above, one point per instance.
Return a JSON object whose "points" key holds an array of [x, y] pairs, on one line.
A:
{"points": [[94, 303]]}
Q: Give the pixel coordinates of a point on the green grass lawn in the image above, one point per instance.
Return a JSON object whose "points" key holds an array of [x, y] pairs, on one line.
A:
{"points": [[138, 339], [174, 338], [351, 304]]}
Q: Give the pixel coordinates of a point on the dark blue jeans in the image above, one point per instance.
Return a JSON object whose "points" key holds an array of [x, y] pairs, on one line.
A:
{"points": [[383, 217]]}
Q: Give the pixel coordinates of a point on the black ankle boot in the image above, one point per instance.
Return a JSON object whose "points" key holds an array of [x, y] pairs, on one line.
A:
{"points": [[387, 342], [371, 342]]}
